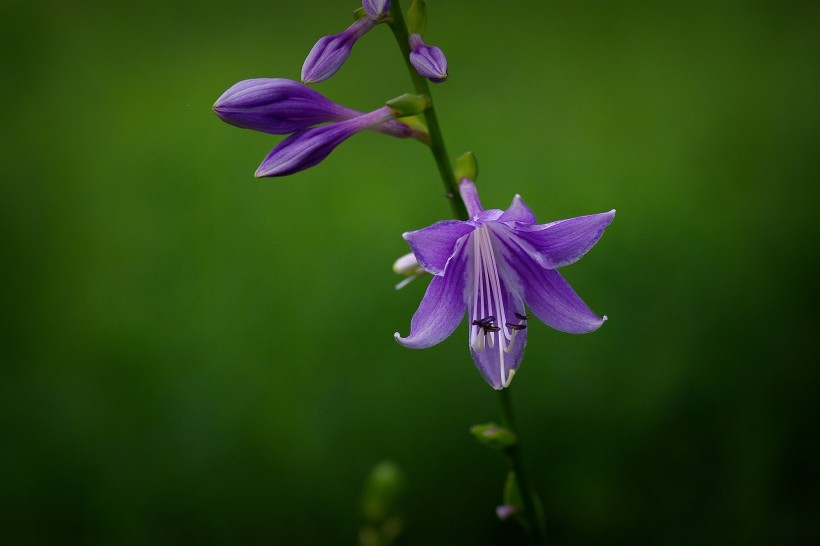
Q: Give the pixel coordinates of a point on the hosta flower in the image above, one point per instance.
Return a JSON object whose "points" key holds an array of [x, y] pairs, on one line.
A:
{"points": [[306, 148], [330, 52], [280, 106], [277, 106], [429, 61], [495, 265]]}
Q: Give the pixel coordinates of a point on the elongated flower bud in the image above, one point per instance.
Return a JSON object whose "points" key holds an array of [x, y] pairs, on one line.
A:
{"points": [[429, 61], [330, 52], [308, 147], [376, 9], [277, 106]]}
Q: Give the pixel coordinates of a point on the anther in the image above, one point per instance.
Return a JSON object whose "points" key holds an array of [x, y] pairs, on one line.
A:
{"points": [[516, 326], [522, 317], [486, 324]]}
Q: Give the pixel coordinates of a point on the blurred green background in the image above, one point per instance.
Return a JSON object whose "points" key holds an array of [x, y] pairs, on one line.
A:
{"points": [[193, 356]]}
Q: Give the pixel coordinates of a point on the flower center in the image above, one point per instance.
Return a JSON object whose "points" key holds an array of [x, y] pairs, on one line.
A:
{"points": [[488, 317]]}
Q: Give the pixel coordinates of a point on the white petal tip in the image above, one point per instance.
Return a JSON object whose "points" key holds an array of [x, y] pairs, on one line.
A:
{"points": [[604, 319]]}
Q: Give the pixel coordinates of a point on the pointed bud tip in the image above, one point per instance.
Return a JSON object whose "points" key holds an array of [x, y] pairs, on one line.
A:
{"points": [[466, 167], [409, 104]]}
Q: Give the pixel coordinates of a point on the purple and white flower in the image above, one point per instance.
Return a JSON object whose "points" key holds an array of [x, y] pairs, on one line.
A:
{"points": [[493, 265], [330, 52], [429, 61]]}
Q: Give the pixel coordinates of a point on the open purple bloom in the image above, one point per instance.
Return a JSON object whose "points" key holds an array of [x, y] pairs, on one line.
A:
{"points": [[307, 147], [429, 61], [493, 265], [376, 9], [330, 52]]}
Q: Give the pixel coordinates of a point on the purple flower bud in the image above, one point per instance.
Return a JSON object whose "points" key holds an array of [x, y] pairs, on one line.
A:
{"points": [[330, 52], [429, 61], [376, 9], [277, 106], [308, 147], [505, 511]]}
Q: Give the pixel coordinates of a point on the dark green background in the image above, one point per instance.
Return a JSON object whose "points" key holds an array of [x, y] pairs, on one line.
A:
{"points": [[193, 356]]}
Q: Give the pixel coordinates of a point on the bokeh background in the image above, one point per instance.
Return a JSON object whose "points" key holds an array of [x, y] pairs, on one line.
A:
{"points": [[193, 356]]}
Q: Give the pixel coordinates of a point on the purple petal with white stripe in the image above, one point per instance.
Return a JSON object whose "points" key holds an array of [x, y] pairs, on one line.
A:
{"points": [[433, 246], [563, 242], [442, 307], [518, 212], [547, 294]]}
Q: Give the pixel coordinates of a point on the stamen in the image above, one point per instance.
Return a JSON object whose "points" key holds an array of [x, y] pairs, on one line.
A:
{"points": [[486, 324], [488, 297], [509, 379], [510, 345]]}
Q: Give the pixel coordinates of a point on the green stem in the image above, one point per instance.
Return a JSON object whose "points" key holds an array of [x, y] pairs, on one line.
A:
{"points": [[532, 513], [399, 28]]}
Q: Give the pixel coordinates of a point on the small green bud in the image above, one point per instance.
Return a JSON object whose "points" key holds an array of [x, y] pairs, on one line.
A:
{"points": [[466, 167], [417, 17], [493, 435], [382, 491], [512, 494], [359, 13], [409, 105]]}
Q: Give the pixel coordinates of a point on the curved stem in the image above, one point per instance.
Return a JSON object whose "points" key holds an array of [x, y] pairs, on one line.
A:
{"points": [[532, 512], [399, 28]]}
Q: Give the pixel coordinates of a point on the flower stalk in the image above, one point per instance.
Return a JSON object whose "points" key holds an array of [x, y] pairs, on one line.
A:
{"points": [[533, 513], [533, 517], [422, 87]]}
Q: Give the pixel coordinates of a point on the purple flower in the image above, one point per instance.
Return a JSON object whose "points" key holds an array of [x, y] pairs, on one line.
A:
{"points": [[330, 52], [429, 61], [277, 106], [376, 9], [492, 265], [306, 148]]}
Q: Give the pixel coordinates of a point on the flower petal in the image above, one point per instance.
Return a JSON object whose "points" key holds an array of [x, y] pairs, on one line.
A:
{"points": [[518, 212], [434, 244], [547, 294], [441, 309], [563, 242], [469, 194]]}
